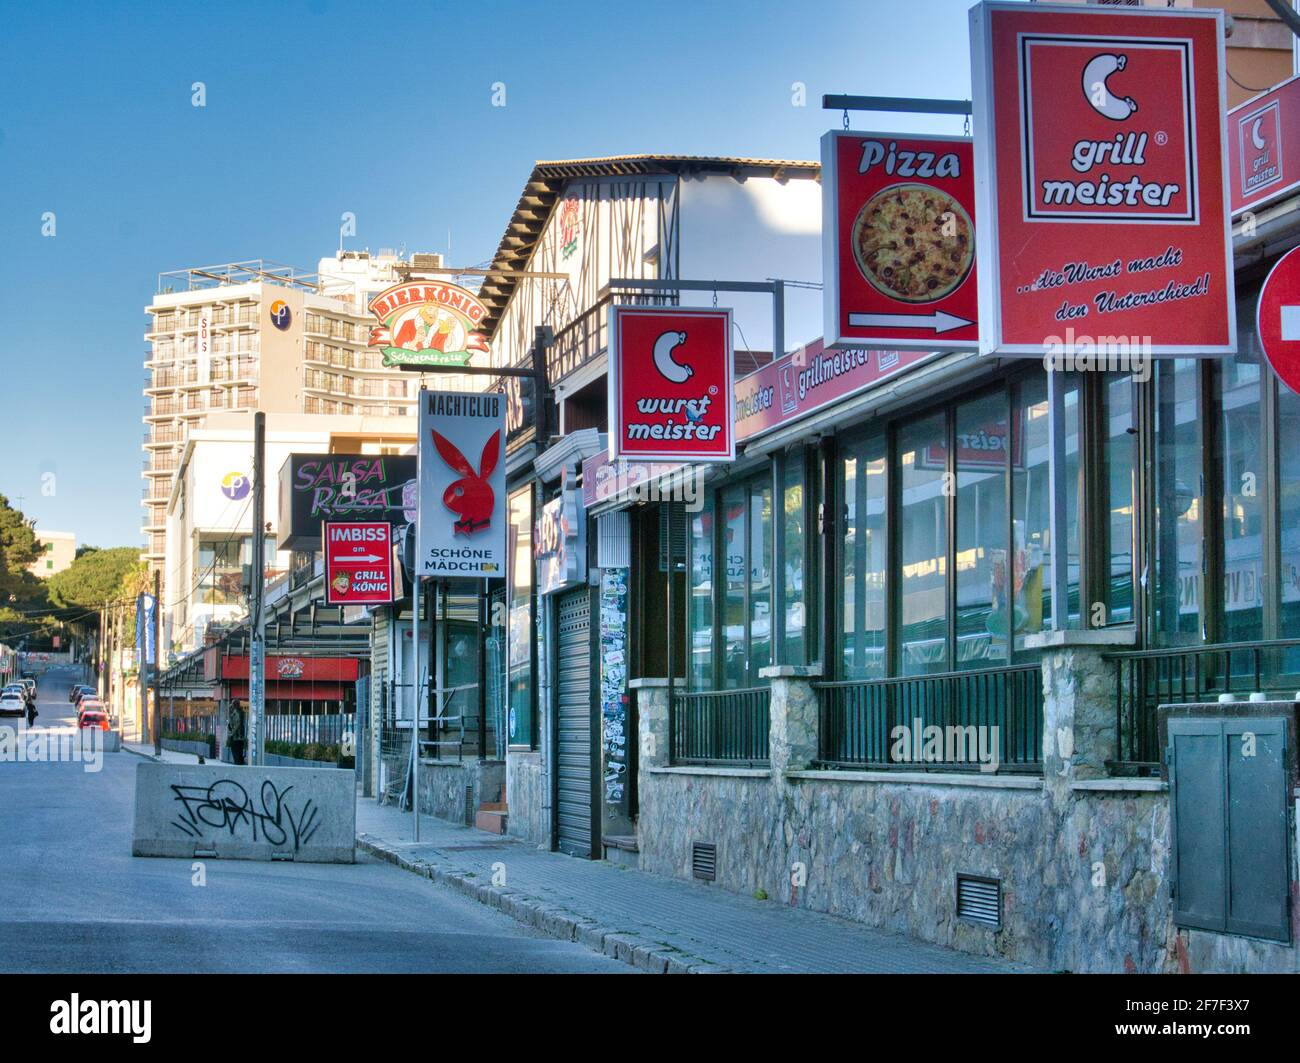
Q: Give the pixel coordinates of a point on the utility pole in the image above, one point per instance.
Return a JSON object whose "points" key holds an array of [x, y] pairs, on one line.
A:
{"points": [[157, 660], [257, 603]]}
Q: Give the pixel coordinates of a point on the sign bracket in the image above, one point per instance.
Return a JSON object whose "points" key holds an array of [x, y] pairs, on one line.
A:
{"points": [[895, 104]]}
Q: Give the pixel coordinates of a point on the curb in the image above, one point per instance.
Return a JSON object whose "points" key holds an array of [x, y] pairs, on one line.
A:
{"points": [[654, 957]]}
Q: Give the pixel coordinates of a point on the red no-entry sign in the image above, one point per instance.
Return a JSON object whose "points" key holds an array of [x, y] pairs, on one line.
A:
{"points": [[1277, 319]]}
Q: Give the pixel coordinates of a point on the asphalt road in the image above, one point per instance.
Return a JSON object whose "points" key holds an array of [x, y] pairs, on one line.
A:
{"points": [[74, 899]]}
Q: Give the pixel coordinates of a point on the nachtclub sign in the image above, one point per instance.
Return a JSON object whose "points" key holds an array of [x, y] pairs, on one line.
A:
{"points": [[899, 240], [358, 563], [670, 384], [462, 525], [315, 488], [1102, 198]]}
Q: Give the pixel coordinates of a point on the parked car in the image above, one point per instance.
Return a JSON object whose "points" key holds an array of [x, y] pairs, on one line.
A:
{"points": [[90, 705], [85, 692], [30, 685], [12, 704], [78, 689], [94, 718]]}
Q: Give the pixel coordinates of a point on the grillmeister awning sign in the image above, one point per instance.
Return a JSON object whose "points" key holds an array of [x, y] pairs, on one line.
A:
{"points": [[1101, 178], [462, 524]]}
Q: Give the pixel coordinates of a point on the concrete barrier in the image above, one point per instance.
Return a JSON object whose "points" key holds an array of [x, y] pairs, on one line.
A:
{"points": [[234, 812]]}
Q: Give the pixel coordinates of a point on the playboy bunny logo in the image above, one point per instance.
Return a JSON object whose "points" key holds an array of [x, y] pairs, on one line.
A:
{"points": [[471, 497]]}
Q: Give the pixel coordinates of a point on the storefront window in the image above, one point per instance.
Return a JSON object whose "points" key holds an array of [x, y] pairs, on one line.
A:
{"points": [[700, 620], [864, 610], [1178, 516], [520, 639], [923, 534], [741, 598], [1239, 381], [1119, 459], [982, 565], [759, 564], [1031, 506], [792, 561], [1288, 506]]}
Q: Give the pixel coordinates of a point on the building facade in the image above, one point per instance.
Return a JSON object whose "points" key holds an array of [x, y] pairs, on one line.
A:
{"points": [[58, 551], [248, 336]]}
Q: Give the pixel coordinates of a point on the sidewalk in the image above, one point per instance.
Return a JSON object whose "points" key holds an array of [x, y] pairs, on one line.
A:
{"points": [[655, 923], [145, 749]]}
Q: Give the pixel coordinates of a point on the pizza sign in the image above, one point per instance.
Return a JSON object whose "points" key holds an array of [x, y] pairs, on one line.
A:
{"points": [[358, 562], [899, 243], [671, 384], [1101, 149]]}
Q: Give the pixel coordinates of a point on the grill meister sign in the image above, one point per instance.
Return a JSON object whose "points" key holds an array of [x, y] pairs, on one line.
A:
{"points": [[1264, 146], [1102, 179], [899, 243], [671, 384]]}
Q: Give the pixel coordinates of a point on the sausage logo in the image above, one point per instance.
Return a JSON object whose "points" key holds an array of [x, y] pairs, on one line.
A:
{"points": [[671, 392], [1117, 140]]}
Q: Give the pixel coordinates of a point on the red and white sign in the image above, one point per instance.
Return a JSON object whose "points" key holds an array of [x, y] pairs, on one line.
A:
{"points": [[1264, 146], [358, 562], [1102, 191], [898, 241], [1277, 319], [670, 384]]}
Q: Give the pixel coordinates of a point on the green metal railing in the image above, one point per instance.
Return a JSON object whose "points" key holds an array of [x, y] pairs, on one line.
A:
{"points": [[720, 726], [1147, 679], [986, 719]]}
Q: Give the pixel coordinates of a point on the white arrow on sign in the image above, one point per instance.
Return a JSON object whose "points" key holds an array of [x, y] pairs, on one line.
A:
{"points": [[939, 321], [1291, 322], [362, 557]]}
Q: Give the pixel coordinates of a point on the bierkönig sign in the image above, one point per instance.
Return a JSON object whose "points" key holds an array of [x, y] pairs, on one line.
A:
{"points": [[1102, 190]]}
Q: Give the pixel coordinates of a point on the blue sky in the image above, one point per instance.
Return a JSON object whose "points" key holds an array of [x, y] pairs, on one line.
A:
{"points": [[316, 107]]}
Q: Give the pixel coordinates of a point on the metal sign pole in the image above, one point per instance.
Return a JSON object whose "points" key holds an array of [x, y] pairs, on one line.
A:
{"points": [[417, 588], [257, 642]]}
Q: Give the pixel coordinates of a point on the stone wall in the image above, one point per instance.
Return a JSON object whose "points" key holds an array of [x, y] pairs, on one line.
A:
{"points": [[528, 798], [443, 785], [1084, 859]]}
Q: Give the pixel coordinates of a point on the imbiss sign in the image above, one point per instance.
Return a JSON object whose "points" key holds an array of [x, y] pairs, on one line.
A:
{"points": [[358, 562], [1101, 179]]}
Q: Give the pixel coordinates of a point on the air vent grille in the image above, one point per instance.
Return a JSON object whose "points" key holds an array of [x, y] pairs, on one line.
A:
{"points": [[979, 900], [704, 861], [469, 806]]}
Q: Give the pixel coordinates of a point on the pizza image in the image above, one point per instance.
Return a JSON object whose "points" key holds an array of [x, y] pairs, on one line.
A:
{"points": [[913, 242]]}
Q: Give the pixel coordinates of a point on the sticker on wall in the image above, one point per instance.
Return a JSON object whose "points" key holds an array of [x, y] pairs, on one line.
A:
{"points": [[613, 681]]}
